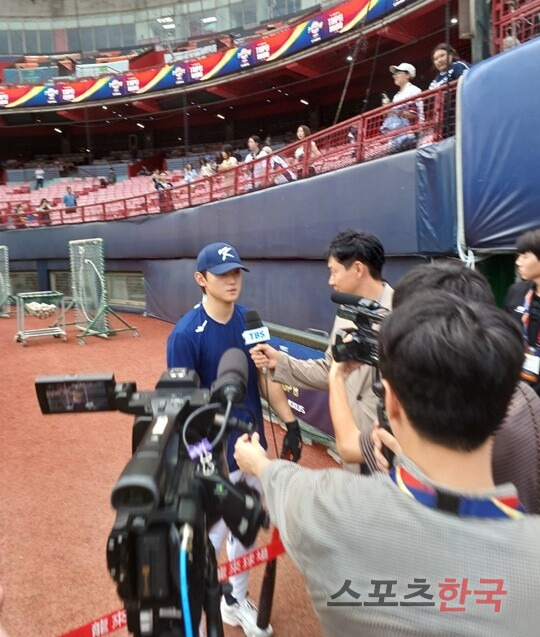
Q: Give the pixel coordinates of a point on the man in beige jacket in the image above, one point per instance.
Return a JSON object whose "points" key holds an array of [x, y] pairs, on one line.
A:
{"points": [[355, 261]]}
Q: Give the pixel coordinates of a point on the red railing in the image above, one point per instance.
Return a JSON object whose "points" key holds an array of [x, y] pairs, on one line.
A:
{"points": [[514, 22], [357, 140]]}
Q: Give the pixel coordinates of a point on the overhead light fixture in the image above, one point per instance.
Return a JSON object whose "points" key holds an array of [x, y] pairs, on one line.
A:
{"points": [[220, 116], [104, 108], [179, 139], [58, 130], [107, 121], [169, 26], [38, 120], [209, 19], [140, 125], [454, 21], [165, 20], [349, 58], [304, 102], [268, 100]]}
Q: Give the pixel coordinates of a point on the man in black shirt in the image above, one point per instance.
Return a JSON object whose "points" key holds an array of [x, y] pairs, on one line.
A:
{"points": [[523, 302]]}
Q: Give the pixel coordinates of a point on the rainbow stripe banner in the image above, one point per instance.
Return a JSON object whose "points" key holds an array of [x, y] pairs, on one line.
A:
{"points": [[256, 52]]}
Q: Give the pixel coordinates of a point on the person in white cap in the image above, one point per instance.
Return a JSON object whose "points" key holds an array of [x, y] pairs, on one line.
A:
{"points": [[407, 112]]}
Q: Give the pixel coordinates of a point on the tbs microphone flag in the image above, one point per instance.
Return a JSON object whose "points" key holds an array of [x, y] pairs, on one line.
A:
{"points": [[256, 332]]}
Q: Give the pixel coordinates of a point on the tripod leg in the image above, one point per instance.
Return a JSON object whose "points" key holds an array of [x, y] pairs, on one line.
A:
{"points": [[212, 596]]}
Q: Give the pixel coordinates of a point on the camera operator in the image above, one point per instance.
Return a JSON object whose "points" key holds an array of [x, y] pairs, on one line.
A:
{"points": [[516, 447], [523, 302], [355, 260], [197, 342], [392, 555]]}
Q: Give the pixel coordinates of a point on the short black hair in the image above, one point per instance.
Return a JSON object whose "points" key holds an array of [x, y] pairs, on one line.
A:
{"points": [[350, 246], [227, 148], [453, 366], [529, 242], [452, 276]]}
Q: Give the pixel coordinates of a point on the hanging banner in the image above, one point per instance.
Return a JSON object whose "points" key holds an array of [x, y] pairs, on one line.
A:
{"points": [[320, 28]]}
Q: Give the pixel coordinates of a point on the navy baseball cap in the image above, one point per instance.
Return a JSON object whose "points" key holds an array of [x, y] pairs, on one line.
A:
{"points": [[219, 258]]}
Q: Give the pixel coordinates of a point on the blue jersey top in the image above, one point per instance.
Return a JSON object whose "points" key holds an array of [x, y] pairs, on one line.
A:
{"points": [[455, 70], [198, 342]]}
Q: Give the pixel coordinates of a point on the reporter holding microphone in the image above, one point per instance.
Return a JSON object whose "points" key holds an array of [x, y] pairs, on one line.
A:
{"points": [[400, 554]]}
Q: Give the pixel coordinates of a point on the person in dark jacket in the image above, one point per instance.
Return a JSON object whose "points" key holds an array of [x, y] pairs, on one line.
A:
{"points": [[523, 302]]}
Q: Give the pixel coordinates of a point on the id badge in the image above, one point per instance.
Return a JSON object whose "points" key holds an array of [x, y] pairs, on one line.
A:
{"points": [[531, 368]]}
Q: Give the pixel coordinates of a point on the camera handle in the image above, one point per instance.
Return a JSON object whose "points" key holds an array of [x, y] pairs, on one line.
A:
{"points": [[378, 390]]}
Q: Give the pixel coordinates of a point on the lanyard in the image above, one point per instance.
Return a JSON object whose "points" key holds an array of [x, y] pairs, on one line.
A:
{"points": [[464, 506], [525, 320]]}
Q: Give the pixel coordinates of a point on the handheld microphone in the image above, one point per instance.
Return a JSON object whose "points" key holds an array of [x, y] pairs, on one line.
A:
{"points": [[232, 375], [256, 332]]}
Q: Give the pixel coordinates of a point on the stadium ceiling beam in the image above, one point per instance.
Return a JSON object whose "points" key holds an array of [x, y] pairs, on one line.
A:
{"points": [[74, 116], [227, 92], [304, 69], [150, 106], [397, 33]]}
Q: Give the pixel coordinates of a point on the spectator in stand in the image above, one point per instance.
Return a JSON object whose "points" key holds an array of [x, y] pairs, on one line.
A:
{"points": [[278, 166], [18, 217], [144, 172], [448, 65], [190, 174], [164, 186], [70, 201], [406, 112], [43, 212], [112, 176], [303, 132], [449, 68], [39, 174], [259, 169], [228, 162], [237, 155], [155, 176], [206, 169]]}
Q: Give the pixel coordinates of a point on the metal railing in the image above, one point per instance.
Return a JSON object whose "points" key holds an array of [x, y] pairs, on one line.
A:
{"points": [[359, 139], [514, 22]]}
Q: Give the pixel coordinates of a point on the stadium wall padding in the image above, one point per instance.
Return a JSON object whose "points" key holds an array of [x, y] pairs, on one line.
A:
{"points": [[436, 198], [292, 221], [282, 233], [500, 144]]}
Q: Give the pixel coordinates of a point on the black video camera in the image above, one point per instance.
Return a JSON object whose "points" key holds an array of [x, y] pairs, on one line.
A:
{"points": [[360, 343], [172, 490]]}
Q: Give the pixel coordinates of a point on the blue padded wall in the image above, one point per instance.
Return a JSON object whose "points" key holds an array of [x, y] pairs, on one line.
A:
{"points": [[501, 147]]}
